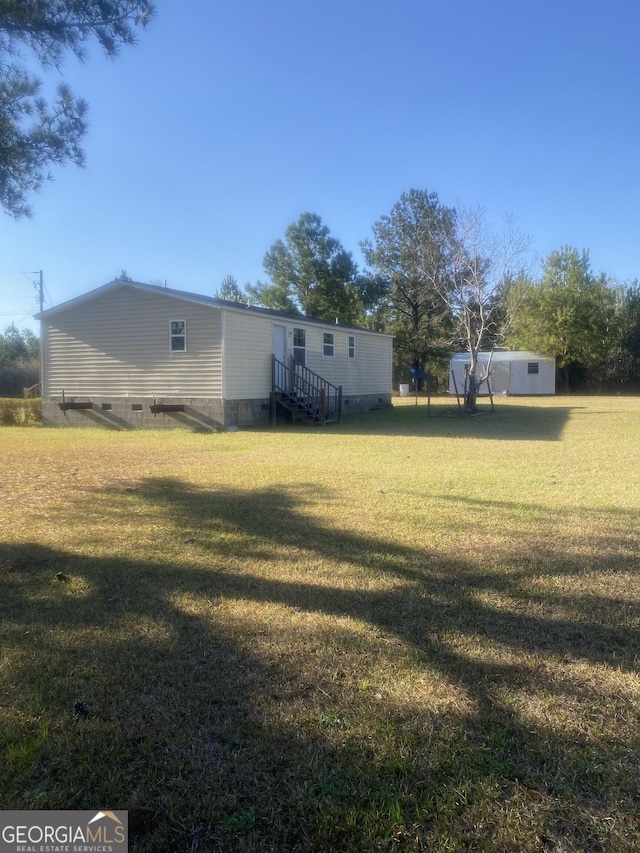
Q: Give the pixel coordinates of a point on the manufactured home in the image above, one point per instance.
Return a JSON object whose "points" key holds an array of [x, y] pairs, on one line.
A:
{"points": [[517, 373], [131, 355]]}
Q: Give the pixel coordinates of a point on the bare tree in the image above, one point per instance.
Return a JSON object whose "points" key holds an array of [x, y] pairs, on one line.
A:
{"points": [[481, 262]]}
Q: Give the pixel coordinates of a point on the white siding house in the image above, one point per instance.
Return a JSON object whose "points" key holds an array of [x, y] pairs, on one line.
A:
{"points": [[129, 355], [517, 373]]}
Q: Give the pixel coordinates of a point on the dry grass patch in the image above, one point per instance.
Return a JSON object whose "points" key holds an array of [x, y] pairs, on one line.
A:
{"points": [[399, 634]]}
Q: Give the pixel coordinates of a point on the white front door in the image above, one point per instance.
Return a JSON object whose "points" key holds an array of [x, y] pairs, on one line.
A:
{"points": [[279, 345]]}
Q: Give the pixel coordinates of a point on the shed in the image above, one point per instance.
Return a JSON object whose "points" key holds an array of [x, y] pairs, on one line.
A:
{"points": [[516, 373], [129, 355]]}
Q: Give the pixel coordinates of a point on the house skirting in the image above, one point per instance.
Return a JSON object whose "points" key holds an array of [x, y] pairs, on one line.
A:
{"points": [[351, 404], [203, 414]]}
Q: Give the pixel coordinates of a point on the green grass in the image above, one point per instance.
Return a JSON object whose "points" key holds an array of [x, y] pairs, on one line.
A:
{"points": [[403, 633]]}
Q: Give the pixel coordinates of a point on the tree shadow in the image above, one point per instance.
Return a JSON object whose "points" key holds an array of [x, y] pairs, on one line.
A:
{"points": [[306, 778], [506, 423]]}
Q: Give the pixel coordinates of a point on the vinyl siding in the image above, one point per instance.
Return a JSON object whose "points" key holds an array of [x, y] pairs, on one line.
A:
{"points": [[248, 348], [118, 344], [247, 355], [368, 373]]}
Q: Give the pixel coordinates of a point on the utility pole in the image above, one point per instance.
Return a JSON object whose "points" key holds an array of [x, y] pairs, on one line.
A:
{"points": [[39, 285], [41, 297]]}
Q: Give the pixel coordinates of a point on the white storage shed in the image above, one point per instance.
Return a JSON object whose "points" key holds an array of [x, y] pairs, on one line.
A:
{"points": [[516, 373]]}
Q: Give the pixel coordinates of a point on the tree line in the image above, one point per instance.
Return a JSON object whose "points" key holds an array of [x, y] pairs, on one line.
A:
{"points": [[441, 280], [19, 361]]}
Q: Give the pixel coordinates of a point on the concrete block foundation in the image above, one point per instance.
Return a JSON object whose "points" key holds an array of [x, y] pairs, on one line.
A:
{"points": [[198, 414]]}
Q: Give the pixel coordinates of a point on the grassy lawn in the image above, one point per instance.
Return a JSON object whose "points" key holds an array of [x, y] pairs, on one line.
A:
{"points": [[402, 633]]}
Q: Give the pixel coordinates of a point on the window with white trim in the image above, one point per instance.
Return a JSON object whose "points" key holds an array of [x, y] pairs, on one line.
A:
{"points": [[300, 346], [328, 344], [178, 335], [352, 346], [533, 368]]}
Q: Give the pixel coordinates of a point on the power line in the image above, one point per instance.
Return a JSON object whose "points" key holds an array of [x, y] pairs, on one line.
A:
{"points": [[39, 286]]}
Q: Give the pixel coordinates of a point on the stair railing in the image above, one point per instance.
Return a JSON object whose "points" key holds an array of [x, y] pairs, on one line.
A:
{"points": [[304, 387]]}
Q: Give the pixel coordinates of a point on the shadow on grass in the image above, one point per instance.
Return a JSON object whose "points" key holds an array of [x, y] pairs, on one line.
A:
{"points": [[506, 423], [237, 703]]}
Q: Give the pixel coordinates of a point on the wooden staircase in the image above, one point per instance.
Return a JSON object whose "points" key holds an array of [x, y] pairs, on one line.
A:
{"points": [[305, 395]]}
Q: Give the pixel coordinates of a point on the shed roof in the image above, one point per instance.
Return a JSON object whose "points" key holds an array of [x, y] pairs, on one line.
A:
{"points": [[502, 355], [198, 298]]}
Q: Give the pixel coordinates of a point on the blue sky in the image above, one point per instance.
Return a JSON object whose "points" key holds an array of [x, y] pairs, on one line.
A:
{"points": [[230, 119]]}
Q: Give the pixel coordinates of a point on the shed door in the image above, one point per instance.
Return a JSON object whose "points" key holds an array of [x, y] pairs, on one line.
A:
{"points": [[500, 377], [279, 345]]}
